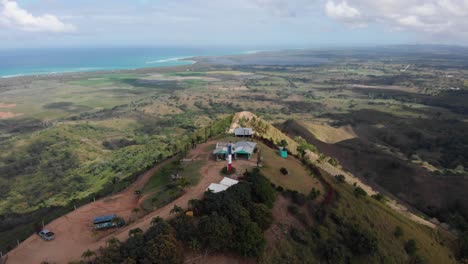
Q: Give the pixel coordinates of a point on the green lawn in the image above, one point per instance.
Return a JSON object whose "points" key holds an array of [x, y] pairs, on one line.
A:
{"points": [[298, 177], [161, 189]]}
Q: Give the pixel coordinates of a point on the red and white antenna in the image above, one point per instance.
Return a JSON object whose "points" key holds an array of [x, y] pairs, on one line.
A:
{"points": [[229, 166]]}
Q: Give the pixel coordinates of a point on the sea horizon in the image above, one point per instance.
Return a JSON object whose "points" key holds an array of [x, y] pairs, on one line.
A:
{"points": [[50, 61]]}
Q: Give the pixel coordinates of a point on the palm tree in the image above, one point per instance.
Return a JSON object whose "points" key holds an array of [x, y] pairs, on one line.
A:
{"points": [[136, 210], [135, 232], [192, 203], [113, 241], [176, 210], [156, 220], [88, 254]]}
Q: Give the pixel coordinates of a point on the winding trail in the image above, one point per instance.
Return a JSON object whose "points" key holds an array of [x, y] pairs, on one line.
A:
{"points": [[74, 231]]}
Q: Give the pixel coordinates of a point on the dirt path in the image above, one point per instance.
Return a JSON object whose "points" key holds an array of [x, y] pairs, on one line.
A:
{"points": [[351, 179], [74, 231]]}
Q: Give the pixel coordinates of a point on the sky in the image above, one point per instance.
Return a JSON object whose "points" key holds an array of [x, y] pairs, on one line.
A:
{"points": [[226, 23]]}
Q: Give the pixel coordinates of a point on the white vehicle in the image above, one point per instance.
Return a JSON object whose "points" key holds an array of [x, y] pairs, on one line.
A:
{"points": [[46, 235]]}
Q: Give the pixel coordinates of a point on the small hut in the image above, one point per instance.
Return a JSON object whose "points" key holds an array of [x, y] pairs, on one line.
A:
{"points": [[283, 152]]}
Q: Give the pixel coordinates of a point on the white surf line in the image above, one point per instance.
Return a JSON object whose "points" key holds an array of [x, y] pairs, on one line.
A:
{"points": [[168, 60]]}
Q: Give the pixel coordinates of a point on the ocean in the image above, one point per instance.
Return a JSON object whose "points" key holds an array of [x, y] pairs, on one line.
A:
{"points": [[21, 62]]}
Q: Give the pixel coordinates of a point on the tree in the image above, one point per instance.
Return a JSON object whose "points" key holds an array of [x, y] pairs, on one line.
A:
{"points": [[163, 249], [379, 197], [261, 214], [303, 147], [262, 191], [358, 191], [88, 254], [314, 193], [398, 231], [129, 261], [184, 227], [136, 211], [158, 227], [283, 143], [134, 247], [248, 239], [135, 232], [156, 220], [340, 178], [176, 210], [333, 252], [215, 232], [361, 243], [113, 241], [284, 171], [410, 247]]}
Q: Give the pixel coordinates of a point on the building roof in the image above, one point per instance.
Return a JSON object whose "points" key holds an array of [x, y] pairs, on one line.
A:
{"points": [[243, 147], [243, 131], [216, 188], [228, 182], [102, 219]]}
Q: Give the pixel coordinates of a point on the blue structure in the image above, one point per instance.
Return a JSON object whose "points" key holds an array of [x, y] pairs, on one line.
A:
{"points": [[107, 221], [283, 152]]}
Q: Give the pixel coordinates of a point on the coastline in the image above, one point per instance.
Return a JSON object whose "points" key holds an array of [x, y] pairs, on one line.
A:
{"points": [[187, 61], [166, 63]]}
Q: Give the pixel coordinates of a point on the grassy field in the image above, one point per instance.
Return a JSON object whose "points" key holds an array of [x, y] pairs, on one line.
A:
{"points": [[298, 178], [161, 188]]}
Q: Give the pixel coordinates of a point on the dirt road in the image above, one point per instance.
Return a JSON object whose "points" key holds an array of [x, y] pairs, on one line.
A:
{"points": [[74, 231]]}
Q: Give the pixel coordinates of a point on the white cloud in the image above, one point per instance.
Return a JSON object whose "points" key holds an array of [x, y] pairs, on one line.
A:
{"points": [[431, 17], [345, 13], [341, 10], [13, 15]]}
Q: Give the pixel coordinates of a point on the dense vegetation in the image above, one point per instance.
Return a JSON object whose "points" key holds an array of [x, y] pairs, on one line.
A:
{"points": [[229, 221]]}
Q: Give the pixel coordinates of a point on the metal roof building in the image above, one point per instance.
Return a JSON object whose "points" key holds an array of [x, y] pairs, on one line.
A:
{"points": [[243, 132], [240, 148], [228, 182], [216, 188], [223, 185]]}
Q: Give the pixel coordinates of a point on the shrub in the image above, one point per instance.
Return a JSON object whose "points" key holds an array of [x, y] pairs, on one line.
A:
{"points": [[333, 161], [262, 192], [293, 209], [410, 247], [340, 178], [314, 193], [225, 171], [358, 191], [361, 242], [398, 232], [284, 171], [215, 231], [261, 214], [298, 236], [298, 198], [379, 197]]}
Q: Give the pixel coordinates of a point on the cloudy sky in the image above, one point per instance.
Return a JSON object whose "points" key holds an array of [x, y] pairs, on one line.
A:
{"points": [[246, 23]]}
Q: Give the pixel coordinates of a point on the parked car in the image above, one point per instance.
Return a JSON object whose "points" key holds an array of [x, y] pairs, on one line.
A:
{"points": [[46, 235]]}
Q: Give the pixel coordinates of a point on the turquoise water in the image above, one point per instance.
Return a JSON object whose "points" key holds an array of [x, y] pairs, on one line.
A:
{"points": [[48, 61]]}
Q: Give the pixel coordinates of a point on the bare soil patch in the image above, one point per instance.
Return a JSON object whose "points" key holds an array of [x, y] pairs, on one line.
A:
{"points": [[5, 115]]}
